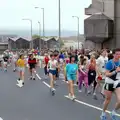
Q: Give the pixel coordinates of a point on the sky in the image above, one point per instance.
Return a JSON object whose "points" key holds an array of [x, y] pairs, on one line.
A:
{"points": [[13, 11]]}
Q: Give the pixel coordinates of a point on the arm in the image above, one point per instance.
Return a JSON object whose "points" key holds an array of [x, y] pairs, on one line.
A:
{"points": [[97, 66]]}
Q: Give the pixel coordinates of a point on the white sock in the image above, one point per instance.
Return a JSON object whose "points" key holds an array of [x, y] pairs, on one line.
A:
{"points": [[103, 113], [114, 111]]}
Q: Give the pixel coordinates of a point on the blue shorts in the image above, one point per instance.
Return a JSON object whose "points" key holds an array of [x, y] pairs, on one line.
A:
{"points": [[53, 72], [71, 77]]}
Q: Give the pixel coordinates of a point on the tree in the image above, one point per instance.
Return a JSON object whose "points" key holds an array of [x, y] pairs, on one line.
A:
{"points": [[35, 36], [61, 43]]}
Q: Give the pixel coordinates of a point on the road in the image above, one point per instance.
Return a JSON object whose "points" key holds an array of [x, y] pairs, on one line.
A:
{"points": [[34, 101]]}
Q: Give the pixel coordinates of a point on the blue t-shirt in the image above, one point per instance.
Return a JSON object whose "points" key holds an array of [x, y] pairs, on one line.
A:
{"points": [[110, 65], [71, 68], [61, 56]]}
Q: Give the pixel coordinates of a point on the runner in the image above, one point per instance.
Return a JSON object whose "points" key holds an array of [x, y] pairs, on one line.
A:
{"points": [[45, 62], [5, 59], [72, 74], [14, 60], [83, 75], [1, 62], [32, 66], [101, 62], [21, 69], [52, 65], [92, 75], [112, 84]]}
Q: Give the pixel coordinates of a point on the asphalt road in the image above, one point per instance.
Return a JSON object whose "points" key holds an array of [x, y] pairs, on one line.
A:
{"points": [[34, 101]]}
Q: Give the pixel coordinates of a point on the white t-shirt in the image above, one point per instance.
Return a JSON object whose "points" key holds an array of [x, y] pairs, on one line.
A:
{"points": [[101, 62], [52, 64], [14, 57]]}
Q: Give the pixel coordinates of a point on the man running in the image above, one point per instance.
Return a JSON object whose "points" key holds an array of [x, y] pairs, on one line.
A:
{"points": [[112, 84]]}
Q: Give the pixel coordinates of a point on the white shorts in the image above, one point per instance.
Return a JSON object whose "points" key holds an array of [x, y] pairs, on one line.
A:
{"points": [[21, 69], [5, 63]]}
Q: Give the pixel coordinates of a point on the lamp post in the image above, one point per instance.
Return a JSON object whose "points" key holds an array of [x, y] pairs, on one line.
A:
{"points": [[31, 42], [78, 29], [39, 35], [43, 22], [59, 17]]}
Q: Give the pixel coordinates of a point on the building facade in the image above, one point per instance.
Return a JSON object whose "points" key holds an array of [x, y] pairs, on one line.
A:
{"points": [[103, 25], [24, 43]]}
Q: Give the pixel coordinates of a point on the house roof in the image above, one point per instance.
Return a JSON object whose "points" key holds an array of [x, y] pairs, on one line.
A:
{"points": [[17, 38], [29, 39]]}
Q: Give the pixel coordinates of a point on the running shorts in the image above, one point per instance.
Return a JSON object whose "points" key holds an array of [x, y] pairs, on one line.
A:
{"points": [[53, 72], [71, 77], [110, 87], [32, 67], [21, 69]]}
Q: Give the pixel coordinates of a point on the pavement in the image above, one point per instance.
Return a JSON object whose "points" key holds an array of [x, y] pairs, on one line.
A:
{"points": [[34, 101]]}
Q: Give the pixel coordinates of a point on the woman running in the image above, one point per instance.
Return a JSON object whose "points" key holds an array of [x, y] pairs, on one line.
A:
{"points": [[92, 74], [83, 75], [72, 74], [21, 68], [32, 66]]}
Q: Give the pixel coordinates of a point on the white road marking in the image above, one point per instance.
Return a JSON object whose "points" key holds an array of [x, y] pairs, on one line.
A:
{"points": [[83, 103], [89, 105], [1, 118], [38, 76], [47, 84]]}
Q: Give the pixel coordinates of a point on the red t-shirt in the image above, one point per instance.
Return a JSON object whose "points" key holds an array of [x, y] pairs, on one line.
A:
{"points": [[46, 60]]}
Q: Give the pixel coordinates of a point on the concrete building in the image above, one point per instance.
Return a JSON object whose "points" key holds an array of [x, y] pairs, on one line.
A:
{"points": [[103, 26]]}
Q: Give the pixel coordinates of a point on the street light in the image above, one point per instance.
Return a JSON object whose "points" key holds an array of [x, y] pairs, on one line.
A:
{"points": [[59, 9], [78, 28], [31, 42], [43, 22], [39, 35]]}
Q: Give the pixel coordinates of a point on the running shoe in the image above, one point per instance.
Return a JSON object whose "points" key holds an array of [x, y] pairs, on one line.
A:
{"points": [[30, 78], [80, 91], [89, 92], [73, 97], [52, 92], [33, 78], [103, 117], [94, 96], [5, 70], [113, 115], [20, 84]]}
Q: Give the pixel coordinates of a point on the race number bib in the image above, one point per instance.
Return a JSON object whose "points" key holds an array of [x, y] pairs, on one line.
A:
{"points": [[118, 76]]}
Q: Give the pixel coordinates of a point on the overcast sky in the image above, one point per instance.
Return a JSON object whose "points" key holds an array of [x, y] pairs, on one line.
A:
{"points": [[12, 12]]}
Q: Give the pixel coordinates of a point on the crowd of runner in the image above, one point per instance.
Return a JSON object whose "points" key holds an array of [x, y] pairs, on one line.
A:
{"points": [[93, 72]]}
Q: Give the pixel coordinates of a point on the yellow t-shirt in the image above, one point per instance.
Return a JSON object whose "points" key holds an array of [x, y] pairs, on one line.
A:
{"points": [[21, 63]]}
